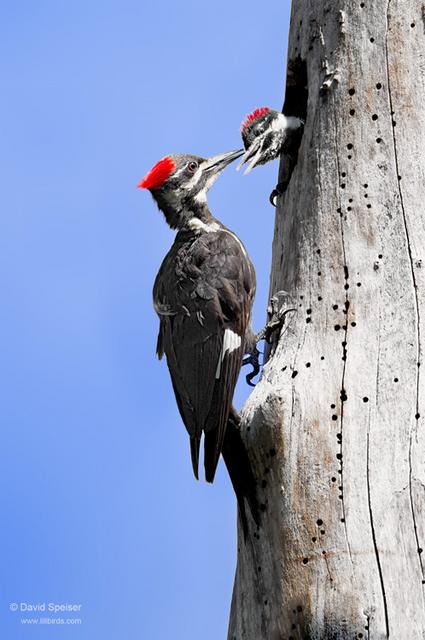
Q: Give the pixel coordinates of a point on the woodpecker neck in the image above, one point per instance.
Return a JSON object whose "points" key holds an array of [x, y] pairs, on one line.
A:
{"points": [[184, 214]]}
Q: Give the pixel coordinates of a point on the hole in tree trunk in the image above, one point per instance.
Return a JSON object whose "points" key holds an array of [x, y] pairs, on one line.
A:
{"points": [[296, 95]]}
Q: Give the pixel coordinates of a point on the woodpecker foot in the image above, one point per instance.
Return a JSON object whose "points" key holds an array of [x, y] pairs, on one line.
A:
{"points": [[254, 360], [279, 305], [278, 191]]}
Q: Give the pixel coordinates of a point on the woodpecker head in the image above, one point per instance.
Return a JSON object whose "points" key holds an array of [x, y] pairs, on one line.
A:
{"points": [[179, 184], [256, 123], [264, 133]]}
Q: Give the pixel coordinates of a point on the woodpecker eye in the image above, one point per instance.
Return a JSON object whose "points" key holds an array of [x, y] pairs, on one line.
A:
{"points": [[192, 166]]}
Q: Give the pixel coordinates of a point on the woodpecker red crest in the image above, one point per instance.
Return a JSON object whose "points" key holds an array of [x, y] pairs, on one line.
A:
{"points": [[251, 117], [159, 173]]}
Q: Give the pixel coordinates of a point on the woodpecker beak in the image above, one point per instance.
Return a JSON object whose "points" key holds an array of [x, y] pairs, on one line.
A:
{"points": [[216, 164]]}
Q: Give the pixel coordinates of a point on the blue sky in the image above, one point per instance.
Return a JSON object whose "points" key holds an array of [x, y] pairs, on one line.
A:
{"points": [[99, 505]]}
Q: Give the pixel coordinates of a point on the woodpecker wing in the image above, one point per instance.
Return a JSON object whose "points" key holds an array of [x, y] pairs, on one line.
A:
{"points": [[203, 294]]}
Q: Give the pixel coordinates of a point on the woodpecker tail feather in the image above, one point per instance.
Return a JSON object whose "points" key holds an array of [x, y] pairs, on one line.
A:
{"points": [[239, 468], [194, 452], [211, 454]]}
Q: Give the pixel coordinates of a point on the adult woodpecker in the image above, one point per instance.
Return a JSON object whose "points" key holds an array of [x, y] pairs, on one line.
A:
{"points": [[203, 295], [268, 134]]}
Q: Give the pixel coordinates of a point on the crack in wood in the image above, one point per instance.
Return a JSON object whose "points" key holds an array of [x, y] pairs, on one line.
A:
{"points": [[375, 544]]}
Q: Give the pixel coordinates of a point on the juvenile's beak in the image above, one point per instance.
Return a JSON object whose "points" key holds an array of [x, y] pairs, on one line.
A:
{"points": [[216, 164]]}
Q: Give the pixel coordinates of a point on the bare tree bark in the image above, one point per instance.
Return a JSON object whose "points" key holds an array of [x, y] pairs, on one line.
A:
{"points": [[335, 428]]}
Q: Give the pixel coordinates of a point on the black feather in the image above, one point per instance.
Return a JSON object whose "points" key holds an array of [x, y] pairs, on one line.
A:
{"points": [[206, 284]]}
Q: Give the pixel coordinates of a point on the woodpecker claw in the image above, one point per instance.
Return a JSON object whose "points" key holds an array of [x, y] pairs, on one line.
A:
{"points": [[254, 361], [278, 191], [276, 312]]}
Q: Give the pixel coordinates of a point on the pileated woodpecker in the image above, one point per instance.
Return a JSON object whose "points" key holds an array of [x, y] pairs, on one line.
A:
{"points": [[268, 134], [203, 295]]}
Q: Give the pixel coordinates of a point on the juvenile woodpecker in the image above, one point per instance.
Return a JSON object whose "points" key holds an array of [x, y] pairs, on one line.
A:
{"points": [[203, 295], [267, 134]]}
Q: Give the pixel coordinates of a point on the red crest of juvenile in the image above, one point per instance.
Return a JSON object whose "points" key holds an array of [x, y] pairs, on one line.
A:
{"points": [[251, 117], [159, 173]]}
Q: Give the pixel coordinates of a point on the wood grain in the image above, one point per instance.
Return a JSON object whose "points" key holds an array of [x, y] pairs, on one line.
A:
{"points": [[335, 428]]}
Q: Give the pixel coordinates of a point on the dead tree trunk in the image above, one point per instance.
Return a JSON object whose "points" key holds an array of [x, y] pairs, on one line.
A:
{"points": [[335, 428]]}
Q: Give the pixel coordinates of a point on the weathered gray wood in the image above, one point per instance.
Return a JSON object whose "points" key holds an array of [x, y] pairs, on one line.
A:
{"points": [[333, 428]]}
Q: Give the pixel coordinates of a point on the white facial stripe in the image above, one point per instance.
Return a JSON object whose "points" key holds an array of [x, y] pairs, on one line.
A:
{"points": [[197, 225], [278, 123], [194, 179], [285, 122], [231, 342], [201, 197], [179, 172], [213, 177]]}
